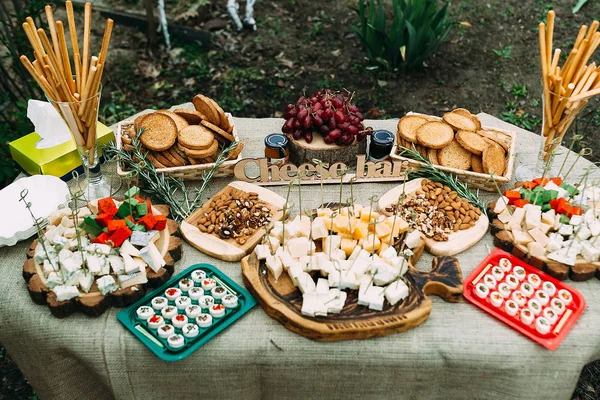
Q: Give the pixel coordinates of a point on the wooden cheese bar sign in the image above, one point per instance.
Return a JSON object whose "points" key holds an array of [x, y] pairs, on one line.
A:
{"points": [[315, 172]]}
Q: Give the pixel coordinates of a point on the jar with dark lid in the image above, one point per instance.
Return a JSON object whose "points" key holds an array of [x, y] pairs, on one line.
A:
{"points": [[276, 149], [382, 142]]}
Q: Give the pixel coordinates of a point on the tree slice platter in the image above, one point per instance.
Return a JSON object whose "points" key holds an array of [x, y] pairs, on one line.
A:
{"points": [[457, 242], [230, 249], [94, 303], [282, 301], [583, 270], [301, 151]]}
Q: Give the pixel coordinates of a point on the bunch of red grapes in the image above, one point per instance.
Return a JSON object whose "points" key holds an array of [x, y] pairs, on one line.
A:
{"points": [[331, 114]]}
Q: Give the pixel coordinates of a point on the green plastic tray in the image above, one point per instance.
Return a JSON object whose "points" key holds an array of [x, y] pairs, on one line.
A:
{"points": [[158, 345]]}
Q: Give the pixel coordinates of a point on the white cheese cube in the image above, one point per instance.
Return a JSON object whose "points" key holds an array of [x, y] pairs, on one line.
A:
{"points": [[334, 278], [539, 236], [117, 264], [86, 280], [331, 243], [557, 223], [94, 264], [365, 283], [566, 230], [388, 253], [505, 216], [56, 216], [396, 291], [533, 216], [500, 205], [292, 230], [106, 284], [348, 280], [309, 304], [413, 239], [274, 244], [275, 266], [322, 286], [72, 279], [70, 233], [105, 265], [548, 217], [299, 247], [589, 252], [326, 267], [517, 216], [360, 267], [131, 266], [576, 220], [65, 292], [306, 283], [535, 249], [385, 275], [98, 248], [553, 245], [594, 227], [128, 280], [376, 297], [295, 271], [319, 230], [127, 248], [582, 232], [338, 254], [53, 279], [545, 228], [152, 257], [48, 267], [285, 257], [562, 257], [262, 251], [335, 301], [355, 253], [142, 239], [522, 237]]}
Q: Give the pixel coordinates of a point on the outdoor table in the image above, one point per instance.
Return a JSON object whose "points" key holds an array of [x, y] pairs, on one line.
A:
{"points": [[459, 352]]}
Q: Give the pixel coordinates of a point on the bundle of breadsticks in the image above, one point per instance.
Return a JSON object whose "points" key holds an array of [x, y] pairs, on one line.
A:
{"points": [[53, 68], [567, 89]]}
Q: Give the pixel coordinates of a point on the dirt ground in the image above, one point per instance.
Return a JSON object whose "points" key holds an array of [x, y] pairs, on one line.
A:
{"points": [[488, 64]]}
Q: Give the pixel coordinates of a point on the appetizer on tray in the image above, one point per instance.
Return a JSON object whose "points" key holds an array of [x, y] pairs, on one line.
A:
{"points": [[101, 255], [552, 225]]}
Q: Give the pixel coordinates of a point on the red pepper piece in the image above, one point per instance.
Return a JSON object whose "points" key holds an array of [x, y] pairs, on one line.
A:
{"points": [[107, 206], [102, 238], [563, 206], [103, 219], [541, 181], [138, 198], [130, 217], [119, 236], [512, 194], [149, 205], [554, 203], [115, 224], [148, 221], [558, 181], [575, 211], [161, 222], [529, 185], [521, 202]]}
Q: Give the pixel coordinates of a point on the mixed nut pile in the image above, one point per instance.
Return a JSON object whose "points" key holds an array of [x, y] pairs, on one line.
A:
{"points": [[437, 211], [235, 215]]}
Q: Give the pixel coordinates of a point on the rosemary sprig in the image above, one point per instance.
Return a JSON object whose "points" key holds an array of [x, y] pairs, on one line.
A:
{"points": [[429, 171], [166, 189], [38, 225]]}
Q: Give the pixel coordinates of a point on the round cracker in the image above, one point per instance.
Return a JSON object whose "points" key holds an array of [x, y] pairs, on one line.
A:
{"points": [[408, 125], [432, 156], [179, 158], [138, 120], [218, 131], [455, 156], [476, 164], [498, 137], [172, 159], [463, 111], [494, 160], [459, 121], [223, 121], [154, 161], [435, 135], [179, 120], [195, 137], [160, 157], [205, 106], [236, 151], [194, 153], [160, 132], [193, 117], [471, 141]]}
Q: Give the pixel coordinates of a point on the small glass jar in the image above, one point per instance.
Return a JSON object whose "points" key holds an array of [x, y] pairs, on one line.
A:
{"points": [[276, 149], [382, 142]]}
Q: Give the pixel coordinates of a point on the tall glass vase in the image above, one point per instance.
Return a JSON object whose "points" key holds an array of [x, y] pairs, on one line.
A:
{"points": [[81, 118]]}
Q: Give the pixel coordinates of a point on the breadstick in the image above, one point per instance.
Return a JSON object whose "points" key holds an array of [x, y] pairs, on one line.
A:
{"points": [[87, 24], [549, 34], [64, 55], [74, 43]]}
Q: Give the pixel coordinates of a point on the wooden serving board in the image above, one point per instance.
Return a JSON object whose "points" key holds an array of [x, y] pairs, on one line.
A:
{"points": [[230, 250], [282, 301], [457, 242], [301, 151], [94, 303]]}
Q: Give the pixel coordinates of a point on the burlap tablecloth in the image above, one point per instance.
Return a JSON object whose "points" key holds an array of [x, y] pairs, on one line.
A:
{"points": [[459, 352]]}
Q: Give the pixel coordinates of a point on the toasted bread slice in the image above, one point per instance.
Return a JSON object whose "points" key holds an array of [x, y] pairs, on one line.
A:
{"points": [[471, 141], [195, 137], [455, 156], [494, 160], [236, 151], [218, 131], [499, 137], [179, 120], [432, 156], [223, 121], [160, 131], [194, 153], [459, 121], [175, 157], [154, 161], [204, 105], [422, 150], [408, 125], [193, 117], [435, 135], [477, 122], [463, 111], [476, 164], [160, 157]]}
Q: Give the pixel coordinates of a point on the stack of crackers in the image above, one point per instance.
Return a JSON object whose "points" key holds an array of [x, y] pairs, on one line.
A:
{"points": [[184, 137], [457, 140]]}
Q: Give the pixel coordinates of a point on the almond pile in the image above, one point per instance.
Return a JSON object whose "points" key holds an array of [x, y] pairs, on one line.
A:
{"points": [[456, 141], [183, 136]]}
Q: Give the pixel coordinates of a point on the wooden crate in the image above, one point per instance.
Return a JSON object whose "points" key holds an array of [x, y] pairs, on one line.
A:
{"points": [[473, 179], [187, 172]]}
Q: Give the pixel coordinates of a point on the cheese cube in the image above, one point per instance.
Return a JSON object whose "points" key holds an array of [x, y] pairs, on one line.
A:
{"points": [[86, 280], [127, 248], [320, 306], [131, 266], [413, 239], [342, 224], [576, 220], [309, 304], [285, 257], [361, 231], [539, 236], [262, 251], [295, 271], [589, 252], [360, 267], [553, 245], [384, 274], [365, 283], [382, 230], [522, 237], [517, 216], [388, 253], [331, 243], [594, 227], [348, 246], [533, 216], [505, 216], [366, 214], [338, 254], [334, 278], [53, 279], [376, 297], [128, 280], [322, 286], [371, 243], [275, 266], [348, 280], [335, 301], [397, 225], [299, 247], [94, 265], [65, 292], [545, 228], [563, 256], [535, 249], [500, 205], [548, 217], [319, 230], [324, 212], [277, 231], [396, 291], [306, 283], [152, 257], [566, 230], [142, 239], [582, 232], [48, 267], [355, 253]]}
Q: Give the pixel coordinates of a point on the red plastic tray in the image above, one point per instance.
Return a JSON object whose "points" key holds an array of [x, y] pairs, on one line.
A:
{"points": [[550, 340]]}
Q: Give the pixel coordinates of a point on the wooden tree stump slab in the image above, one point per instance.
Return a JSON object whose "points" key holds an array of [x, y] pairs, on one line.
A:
{"points": [[94, 303], [301, 152], [282, 301]]}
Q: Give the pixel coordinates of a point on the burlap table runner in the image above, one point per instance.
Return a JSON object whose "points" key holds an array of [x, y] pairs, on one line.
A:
{"points": [[459, 352]]}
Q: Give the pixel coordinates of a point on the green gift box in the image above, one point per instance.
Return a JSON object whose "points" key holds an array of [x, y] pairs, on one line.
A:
{"points": [[59, 160]]}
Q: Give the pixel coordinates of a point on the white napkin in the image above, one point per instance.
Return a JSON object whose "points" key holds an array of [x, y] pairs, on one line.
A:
{"points": [[48, 124]]}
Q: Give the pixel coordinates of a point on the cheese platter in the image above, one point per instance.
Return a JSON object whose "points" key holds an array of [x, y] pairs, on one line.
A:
{"points": [[551, 225], [229, 225], [105, 253], [449, 223], [346, 272]]}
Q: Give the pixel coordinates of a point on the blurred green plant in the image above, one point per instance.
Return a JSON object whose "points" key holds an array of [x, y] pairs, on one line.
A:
{"points": [[416, 31], [16, 86]]}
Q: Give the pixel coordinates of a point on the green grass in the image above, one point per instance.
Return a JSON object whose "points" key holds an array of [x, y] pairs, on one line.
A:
{"points": [[504, 53]]}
